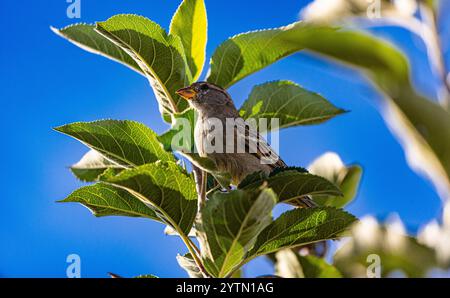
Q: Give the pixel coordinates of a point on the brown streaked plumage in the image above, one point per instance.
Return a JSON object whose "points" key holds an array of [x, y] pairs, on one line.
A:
{"points": [[213, 102]]}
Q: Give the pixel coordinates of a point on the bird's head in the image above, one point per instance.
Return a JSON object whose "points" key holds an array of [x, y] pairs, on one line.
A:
{"points": [[204, 96]]}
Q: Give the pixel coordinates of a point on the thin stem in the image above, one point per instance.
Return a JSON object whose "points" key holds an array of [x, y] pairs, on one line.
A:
{"points": [[218, 186], [239, 266], [190, 245], [193, 245], [200, 181], [204, 187]]}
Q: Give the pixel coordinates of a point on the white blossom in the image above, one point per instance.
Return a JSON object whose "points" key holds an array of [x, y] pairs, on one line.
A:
{"points": [[367, 232], [327, 165], [395, 233], [438, 237], [325, 10], [332, 11], [446, 215], [405, 7]]}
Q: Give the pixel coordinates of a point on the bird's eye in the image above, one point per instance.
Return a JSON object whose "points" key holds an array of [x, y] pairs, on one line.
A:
{"points": [[204, 87]]}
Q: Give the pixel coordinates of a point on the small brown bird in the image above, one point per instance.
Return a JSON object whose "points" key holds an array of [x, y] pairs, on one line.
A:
{"points": [[215, 107]]}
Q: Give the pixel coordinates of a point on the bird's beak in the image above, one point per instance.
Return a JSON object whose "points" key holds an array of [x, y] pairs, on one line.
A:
{"points": [[187, 93]]}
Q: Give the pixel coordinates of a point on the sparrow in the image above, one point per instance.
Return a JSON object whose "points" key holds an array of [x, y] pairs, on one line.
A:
{"points": [[214, 108]]}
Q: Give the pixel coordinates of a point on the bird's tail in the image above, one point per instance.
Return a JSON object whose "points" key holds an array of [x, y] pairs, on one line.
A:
{"points": [[303, 202]]}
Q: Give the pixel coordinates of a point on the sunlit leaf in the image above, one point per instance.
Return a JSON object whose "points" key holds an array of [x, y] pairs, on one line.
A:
{"points": [[288, 102], [180, 137], [147, 276], [229, 226], [291, 184], [105, 200], [347, 178], [85, 36], [92, 165], [422, 126], [165, 188], [246, 53], [160, 56], [124, 142], [302, 226], [190, 24], [314, 267]]}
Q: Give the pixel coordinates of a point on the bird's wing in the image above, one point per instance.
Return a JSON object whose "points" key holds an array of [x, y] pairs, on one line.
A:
{"points": [[256, 145]]}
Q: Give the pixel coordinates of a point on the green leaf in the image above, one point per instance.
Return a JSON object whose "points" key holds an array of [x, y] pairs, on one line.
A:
{"points": [[348, 185], [147, 276], [92, 165], [109, 172], [125, 142], [292, 184], [164, 187], [347, 178], [180, 137], [238, 274], [253, 180], [277, 171], [373, 54], [302, 226], [314, 267], [190, 24], [433, 4], [84, 36], [256, 178], [422, 126], [288, 102], [229, 226], [187, 263], [105, 200], [160, 56], [290, 264], [246, 53]]}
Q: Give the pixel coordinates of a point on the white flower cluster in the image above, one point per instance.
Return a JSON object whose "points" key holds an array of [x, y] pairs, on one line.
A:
{"points": [[326, 11], [333, 166], [438, 236], [405, 7], [371, 238], [390, 238], [368, 234], [331, 11]]}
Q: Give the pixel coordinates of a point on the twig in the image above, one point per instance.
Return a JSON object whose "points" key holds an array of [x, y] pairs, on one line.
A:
{"points": [[218, 186], [200, 181], [193, 245], [193, 251]]}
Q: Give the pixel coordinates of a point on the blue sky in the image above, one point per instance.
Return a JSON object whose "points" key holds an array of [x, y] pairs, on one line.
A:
{"points": [[46, 82]]}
